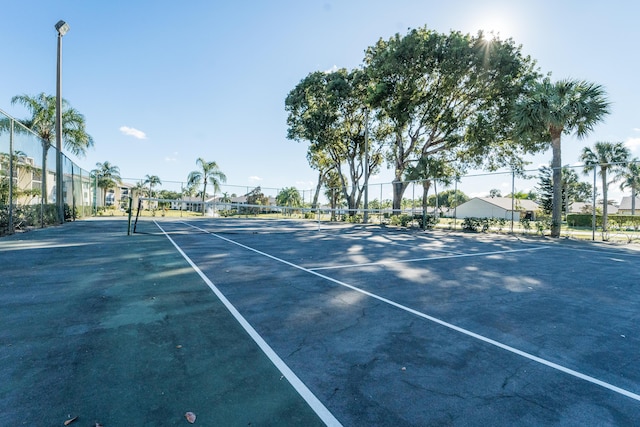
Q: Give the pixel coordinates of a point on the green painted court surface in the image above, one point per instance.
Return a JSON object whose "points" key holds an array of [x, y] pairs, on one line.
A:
{"points": [[248, 322]]}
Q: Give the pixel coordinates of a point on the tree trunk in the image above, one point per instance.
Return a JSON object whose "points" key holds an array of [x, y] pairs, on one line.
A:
{"points": [[426, 184], [603, 172], [314, 204], [398, 191], [556, 166], [398, 185], [204, 194]]}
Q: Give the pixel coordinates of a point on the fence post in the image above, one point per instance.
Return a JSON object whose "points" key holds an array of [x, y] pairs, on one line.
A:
{"points": [[513, 195], [593, 208], [11, 166]]}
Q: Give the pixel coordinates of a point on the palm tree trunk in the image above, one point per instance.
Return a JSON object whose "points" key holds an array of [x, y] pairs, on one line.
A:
{"points": [[204, 194], [603, 172], [556, 166]]}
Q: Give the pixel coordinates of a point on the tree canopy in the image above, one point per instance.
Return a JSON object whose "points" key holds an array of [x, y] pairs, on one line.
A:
{"points": [[424, 95], [607, 157], [209, 173], [548, 111], [43, 118], [329, 111], [447, 93], [107, 175]]}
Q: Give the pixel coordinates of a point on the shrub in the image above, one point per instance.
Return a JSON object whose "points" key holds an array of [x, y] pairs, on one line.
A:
{"points": [[583, 220], [401, 220], [70, 214], [624, 222], [543, 223], [430, 222], [482, 224], [471, 224]]}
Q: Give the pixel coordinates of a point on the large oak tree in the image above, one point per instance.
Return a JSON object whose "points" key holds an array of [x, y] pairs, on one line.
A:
{"points": [[329, 111], [447, 94]]}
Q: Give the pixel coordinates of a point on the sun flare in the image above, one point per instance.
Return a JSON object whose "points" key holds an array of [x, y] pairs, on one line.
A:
{"points": [[501, 25]]}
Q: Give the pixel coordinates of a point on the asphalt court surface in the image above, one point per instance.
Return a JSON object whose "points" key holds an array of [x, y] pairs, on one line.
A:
{"points": [[374, 326], [404, 328]]}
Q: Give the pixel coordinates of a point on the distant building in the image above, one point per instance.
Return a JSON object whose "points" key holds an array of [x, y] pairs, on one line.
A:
{"points": [[497, 207], [117, 196], [586, 208], [190, 203], [625, 206]]}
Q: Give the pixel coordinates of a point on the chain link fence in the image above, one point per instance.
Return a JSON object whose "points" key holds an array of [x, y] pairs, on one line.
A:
{"points": [[28, 181], [499, 202]]}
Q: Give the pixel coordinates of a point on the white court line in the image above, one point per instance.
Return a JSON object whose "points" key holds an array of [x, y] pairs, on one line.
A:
{"points": [[427, 259], [440, 322], [325, 415]]}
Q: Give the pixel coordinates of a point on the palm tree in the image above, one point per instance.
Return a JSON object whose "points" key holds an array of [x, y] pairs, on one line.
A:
{"points": [[607, 156], [552, 109], [107, 176], [226, 198], [42, 121], [631, 179], [290, 197], [210, 173], [137, 191], [152, 180]]}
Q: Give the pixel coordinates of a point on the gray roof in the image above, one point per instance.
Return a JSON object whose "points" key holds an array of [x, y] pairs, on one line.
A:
{"points": [[625, 203], [505, 203], [582, 207]]}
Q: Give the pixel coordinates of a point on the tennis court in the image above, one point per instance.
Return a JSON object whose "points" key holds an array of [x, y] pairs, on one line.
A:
{"points": [[390, 327], [384, 326]]}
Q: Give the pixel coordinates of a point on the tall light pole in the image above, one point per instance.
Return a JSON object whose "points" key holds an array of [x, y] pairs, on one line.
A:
{"points": [[62, 28], [366, 166]]}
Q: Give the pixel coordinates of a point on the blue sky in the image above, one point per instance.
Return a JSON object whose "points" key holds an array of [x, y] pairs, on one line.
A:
{"points": [[162, 83]]}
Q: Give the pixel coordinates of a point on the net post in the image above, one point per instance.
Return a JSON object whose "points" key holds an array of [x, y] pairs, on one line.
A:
{"points": [[129, 221], [135, 224]]}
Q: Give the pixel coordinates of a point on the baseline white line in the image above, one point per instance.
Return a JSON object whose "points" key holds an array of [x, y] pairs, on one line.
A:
{"points": [[325, 415], [426, 259], [438, 321]]}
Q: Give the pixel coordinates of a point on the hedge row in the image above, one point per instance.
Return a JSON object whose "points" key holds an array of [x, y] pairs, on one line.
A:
{"points": [[586, 220]]}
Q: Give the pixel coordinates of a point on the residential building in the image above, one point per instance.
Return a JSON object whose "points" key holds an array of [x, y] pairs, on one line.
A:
{"points": [[498, 207], [625, 206]]}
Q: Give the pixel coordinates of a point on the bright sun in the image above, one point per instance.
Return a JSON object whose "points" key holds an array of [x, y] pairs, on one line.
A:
{"points": [[501, 25]]}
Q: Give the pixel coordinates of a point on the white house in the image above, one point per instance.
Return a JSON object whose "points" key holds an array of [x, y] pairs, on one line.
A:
{"points": [[190, 203], [497, 207]]}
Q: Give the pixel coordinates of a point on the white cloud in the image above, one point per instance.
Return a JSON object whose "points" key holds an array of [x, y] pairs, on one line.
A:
{"points": [[632, 143], [254, 179], [138, 134], [172, 158], [331, 70]]}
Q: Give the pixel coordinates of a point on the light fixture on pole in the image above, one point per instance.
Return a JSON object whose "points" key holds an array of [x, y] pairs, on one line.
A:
{"points": [[62, 28]]}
